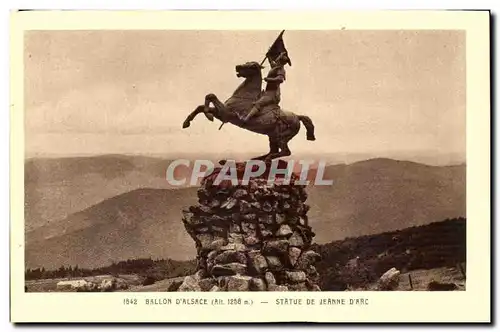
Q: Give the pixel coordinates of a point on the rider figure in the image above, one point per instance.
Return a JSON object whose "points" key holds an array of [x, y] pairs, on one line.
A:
{"points": [[274, 78]]}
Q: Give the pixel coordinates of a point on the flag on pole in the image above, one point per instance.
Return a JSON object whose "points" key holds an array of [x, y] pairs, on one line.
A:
{"points": [[277, 48]]}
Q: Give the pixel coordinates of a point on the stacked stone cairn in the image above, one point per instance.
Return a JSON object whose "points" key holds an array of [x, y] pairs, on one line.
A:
{"points": [[252, 237]]}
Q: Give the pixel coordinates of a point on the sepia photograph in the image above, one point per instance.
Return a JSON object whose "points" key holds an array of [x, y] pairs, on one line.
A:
{"points": [[103, 123], [245, 160]]}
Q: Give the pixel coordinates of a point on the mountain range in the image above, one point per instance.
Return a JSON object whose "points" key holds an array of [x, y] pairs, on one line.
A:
{"points": [[92, 211]]}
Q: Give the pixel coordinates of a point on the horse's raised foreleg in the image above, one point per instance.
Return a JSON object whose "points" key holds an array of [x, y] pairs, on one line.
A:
{"points": [[219, 110], [212, 99], [192, 115], [205, 109]]}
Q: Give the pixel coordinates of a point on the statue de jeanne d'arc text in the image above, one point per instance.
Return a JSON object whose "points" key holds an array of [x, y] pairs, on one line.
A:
{"points": [[258, 110]]}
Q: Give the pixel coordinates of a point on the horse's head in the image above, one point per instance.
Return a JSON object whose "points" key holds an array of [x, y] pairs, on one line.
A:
{"points": [[248, 69]]}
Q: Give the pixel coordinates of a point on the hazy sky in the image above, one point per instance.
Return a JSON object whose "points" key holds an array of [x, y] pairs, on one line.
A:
{"points": [[371, 92]]}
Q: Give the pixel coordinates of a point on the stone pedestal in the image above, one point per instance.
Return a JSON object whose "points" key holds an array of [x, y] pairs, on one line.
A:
{"points": [[252, 237]]}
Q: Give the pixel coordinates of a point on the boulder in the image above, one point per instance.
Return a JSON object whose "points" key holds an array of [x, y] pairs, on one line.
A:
{"points": [[206, 209], [284, 231], [231, 256], [286, 206], [270, 279], [248, 227], [222, 283], [212, 254], [281, 218], [255, 205], [307, 259], [257, 262], [235, 238], [275, 247], [245, 207], [206, 284], [229, 203], [296, 240], [122, 284], [278, 288], [218, 231], [214, 204], [107, 285], [251, 240], [238, 283], [228, 269], [266, 206], [215, 289], [200, 274], [190, 218], [205, 240], [217, 244], [190, 284], [311, 286], [274, 263], [266, 219], [299, 287], [257, 285], [210, 265], [234, 246], [88, 287], [266, 233], [389, 280], [234, 228], [306, 232], [293, 220], [295, 276], [240, 193], [293, 255], [72, 284], [174, 285], [249, 218], [312, 274]]}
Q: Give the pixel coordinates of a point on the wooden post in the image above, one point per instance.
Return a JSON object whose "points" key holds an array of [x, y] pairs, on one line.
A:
{"points": [[461, 268], [411, 282]]}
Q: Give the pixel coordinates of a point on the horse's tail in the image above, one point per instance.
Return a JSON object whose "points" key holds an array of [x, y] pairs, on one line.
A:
{"points": [[309, 127]]}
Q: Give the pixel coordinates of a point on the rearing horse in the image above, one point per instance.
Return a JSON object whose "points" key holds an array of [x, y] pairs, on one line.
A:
{"points": [[280, 126]]}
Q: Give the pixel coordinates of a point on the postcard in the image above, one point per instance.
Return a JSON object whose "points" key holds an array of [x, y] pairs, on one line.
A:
{"points": [[250, 166]]}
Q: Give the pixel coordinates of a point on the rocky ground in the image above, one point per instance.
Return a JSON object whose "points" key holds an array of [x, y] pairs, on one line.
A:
{"points": [[447, 278], [167, 285], [422, 278], [50, 285], [420, 282]]}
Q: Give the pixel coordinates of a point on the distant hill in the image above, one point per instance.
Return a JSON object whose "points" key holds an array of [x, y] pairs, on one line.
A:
{"points": [[141, 223], [425, 252], [436, 245], [380, 195], [58, 187], [84, 212]]}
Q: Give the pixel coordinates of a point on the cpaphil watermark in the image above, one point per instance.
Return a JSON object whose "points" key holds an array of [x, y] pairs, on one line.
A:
{"points": [[184, 172]]}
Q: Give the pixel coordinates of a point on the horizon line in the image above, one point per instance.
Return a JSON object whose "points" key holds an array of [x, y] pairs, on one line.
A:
{"points": [[363, 157]]}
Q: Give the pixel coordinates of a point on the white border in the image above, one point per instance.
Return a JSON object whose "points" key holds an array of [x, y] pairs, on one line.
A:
{"points": [[125, 4]]}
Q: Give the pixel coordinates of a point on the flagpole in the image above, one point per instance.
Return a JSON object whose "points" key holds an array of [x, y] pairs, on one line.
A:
{"points": [[279, 36]]}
